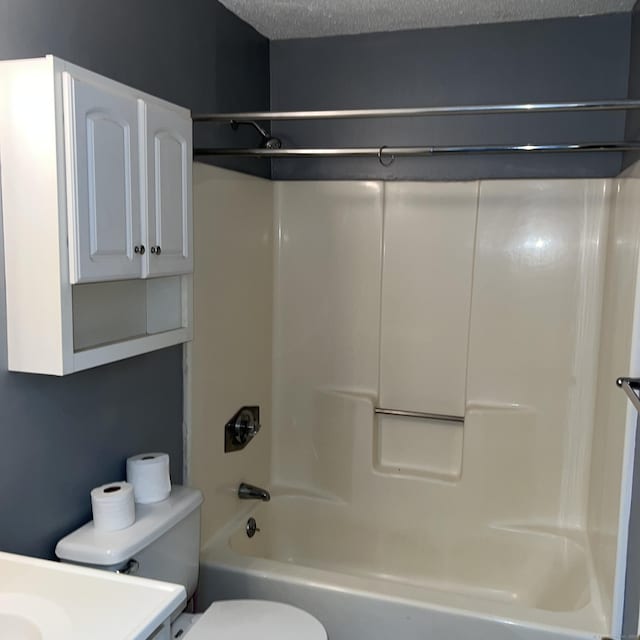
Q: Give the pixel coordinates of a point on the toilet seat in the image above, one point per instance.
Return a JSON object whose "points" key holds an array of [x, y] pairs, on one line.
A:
{"points": [[255, 620]]}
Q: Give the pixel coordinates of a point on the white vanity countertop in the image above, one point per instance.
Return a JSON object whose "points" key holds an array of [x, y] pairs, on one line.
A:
{"points": [[56, 601]]}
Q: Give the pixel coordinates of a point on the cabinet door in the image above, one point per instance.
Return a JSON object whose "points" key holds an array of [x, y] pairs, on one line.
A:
{"points": [[103, 182], [167, 198]]}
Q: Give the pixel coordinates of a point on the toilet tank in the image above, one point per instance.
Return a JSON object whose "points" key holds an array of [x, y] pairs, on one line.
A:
{"points": [[163, 543]]}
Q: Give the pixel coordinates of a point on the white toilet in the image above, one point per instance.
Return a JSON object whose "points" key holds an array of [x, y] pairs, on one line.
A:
{"points": [[164, 544]]}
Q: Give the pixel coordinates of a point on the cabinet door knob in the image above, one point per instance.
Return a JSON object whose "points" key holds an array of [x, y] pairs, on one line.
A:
{"points": [[139, 249], [156, 250]]}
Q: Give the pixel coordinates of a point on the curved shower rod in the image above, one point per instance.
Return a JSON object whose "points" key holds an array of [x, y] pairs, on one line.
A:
{"points": [[416, 112]]}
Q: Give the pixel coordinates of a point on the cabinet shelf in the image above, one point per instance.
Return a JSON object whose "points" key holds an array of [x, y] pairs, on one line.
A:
{"points": [[96, 356]]}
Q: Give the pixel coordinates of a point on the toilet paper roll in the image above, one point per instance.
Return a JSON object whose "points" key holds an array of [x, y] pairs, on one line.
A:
{"points": [[149, 475], [113, 506]]}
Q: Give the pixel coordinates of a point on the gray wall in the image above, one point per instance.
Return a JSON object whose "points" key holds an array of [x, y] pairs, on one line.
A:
{"points": [[59, 437], [564, 59], [633, 117]]}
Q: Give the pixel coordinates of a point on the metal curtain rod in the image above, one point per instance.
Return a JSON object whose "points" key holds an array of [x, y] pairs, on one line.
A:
{"points": [[416, 112], [389, 153]]}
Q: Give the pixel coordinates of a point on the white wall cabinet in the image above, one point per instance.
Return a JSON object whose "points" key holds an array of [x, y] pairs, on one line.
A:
{"points": [[97, 216]]}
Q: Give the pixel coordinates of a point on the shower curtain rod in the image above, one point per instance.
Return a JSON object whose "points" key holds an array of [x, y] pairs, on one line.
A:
{"points": [[416, 112], [386, 154]]}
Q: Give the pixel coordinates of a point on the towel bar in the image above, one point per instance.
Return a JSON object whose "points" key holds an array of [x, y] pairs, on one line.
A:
{"points": [[628, 385], [419, 414]]}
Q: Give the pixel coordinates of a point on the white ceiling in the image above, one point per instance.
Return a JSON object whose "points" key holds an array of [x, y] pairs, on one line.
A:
{"points": [[281, 19]]}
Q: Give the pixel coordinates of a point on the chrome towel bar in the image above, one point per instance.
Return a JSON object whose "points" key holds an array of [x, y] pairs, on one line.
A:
{"points": [[628, 385], [420, 415]]}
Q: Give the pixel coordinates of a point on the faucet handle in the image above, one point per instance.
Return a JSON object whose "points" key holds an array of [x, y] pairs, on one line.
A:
{"points": [[242, 428], [252, 429], [245, 426]]}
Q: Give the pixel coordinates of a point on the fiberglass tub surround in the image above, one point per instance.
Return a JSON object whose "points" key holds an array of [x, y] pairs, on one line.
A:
{"points": [[504, 303]]}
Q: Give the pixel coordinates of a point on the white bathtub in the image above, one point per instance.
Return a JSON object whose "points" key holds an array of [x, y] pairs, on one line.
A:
{"points": [[369, 580]]}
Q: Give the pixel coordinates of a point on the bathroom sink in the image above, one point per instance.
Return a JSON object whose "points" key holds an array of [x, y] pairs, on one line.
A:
{"points": [[18, 628], [43, 600], [25, 617]]}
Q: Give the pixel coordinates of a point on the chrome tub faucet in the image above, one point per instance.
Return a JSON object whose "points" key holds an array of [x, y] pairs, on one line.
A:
{"points": [[251, 492]]}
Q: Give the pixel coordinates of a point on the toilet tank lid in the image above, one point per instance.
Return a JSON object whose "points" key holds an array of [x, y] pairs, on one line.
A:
{"points": [[88, 546]]}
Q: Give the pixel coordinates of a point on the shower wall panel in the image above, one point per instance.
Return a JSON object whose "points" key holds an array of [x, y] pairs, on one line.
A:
{"points": [[327, 319], [231, 349], [429, 235], [537, 295], [615, 418], [499, 324]]}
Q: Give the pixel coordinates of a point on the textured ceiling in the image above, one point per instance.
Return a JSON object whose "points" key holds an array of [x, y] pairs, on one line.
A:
{"points": [[281, 19]]}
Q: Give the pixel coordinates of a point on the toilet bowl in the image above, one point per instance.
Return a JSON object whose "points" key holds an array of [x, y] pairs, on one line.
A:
{"points": [[249, 620], [164, 544]]}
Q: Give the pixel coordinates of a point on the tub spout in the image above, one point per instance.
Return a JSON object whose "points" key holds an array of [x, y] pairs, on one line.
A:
{"points": [[250, 492]]}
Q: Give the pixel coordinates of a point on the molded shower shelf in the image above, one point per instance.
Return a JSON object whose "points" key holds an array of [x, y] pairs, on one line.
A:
{"points": [[418, 447]]}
